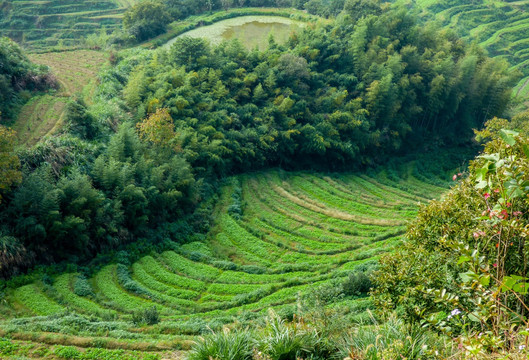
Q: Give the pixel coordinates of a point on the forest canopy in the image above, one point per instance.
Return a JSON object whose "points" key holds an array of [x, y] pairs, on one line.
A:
{"points": [[342, 93]]}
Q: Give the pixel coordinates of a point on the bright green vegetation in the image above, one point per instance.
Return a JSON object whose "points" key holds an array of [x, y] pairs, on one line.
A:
{"points": [[10, 349], [41, 25], [75, 72], [276, 234], [501, 27], [252, 31]]}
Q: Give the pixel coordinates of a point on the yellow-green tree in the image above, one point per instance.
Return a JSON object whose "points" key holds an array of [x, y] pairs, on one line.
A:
{"points": [[158, 128]]}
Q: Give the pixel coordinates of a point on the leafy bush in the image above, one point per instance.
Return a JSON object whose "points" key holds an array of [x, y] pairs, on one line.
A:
{"points": [[253, 269], [81, 286], [7, 347], [81, 122], [358, 283], [224, 265], [149, 316], [67, 352]]}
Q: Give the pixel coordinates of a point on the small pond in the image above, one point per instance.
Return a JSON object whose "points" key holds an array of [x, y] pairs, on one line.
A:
{"points": [[252, 31]]}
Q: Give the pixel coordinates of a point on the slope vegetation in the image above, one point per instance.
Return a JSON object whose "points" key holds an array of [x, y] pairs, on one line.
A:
{"points": [[277, 234]]}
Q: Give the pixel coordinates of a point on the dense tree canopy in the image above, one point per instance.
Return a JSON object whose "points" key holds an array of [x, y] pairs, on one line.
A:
{"points": [[9, 163], [146, 19], [342, 93]]}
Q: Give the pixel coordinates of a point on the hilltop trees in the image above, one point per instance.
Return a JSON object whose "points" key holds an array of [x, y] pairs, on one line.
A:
{"points": [[346, 93], [145, 20]]}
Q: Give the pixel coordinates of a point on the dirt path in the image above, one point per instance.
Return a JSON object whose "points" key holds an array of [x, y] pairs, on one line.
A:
{"points": [[523, 86]]}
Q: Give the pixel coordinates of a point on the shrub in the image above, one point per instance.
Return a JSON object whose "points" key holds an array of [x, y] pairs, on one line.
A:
{"points": [[253, 269], [149, 316], [391, 340], [67, 352], [357, 284], [198, 256], [7, 347], [287, 341], [224, 265], [81, 286]]}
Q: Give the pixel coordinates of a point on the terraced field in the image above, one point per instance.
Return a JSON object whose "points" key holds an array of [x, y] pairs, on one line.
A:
{"points": [[76, 73], [39, 25], [277, 235], [501, 27]]}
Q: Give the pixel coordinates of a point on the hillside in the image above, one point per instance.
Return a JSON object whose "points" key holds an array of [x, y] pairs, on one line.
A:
{"points": [[40, 25], [277, 235], [75, 72], [276, 197], [501, 27]]}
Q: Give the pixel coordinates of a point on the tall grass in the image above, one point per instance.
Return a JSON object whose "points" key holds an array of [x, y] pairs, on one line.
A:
{"points": [[224, 345], [392, 339]]}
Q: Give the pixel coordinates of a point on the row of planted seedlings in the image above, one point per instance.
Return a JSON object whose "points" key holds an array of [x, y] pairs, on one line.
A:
{"points": [[307, 216], [306, 213], [312, 189]]}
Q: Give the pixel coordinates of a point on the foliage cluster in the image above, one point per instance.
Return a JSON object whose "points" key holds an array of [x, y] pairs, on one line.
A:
{"points": [[478, 232], [63, 207], [148, 316]]}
